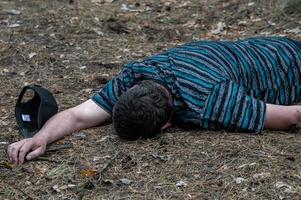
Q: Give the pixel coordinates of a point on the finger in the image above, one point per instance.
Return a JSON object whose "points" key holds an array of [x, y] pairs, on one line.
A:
{"points": [[14, 153], [9, 151], [34, 154], [23, 151]]}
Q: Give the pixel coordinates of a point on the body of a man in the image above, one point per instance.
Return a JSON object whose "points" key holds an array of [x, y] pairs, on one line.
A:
{"points": [[242, 86]]}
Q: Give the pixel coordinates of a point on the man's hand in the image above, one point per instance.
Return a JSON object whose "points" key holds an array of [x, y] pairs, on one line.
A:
{"points": [[85, 115], [26, 149]]}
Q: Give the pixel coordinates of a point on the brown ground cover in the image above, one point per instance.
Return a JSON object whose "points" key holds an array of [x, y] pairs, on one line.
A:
{"points": [[74, 47]]}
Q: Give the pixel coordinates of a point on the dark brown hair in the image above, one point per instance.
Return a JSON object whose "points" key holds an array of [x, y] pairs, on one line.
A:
{"points": [[141, 111]]}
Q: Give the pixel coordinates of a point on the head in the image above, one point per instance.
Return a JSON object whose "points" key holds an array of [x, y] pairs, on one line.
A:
{"points": [[142, 111]]}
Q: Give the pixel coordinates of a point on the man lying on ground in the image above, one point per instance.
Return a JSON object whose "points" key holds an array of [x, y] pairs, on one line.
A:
{"points": [[243, 86]]}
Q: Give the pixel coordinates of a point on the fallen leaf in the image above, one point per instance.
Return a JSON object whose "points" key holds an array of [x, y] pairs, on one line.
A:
{"points": [[88, 173], [42, 169]]}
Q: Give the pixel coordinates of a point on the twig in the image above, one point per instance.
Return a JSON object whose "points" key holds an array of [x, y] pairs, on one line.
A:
{"points": [[27, 195], [52, 149], [83, 190], [23, 57], [104, 169], [10, 39], [56, 148], [46, 159]]}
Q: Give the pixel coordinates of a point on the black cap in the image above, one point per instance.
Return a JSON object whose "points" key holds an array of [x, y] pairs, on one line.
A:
{"points": [[32, 114]]}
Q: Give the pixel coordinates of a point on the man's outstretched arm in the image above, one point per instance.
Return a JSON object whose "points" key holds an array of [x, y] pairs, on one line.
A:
{"points": [[85, 115]]}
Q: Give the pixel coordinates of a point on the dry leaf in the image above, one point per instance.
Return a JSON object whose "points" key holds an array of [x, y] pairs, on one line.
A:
{"points": [[88, 173]]}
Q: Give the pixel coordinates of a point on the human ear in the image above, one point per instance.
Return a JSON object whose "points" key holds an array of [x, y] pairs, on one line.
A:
{"points": [[165, 126]]}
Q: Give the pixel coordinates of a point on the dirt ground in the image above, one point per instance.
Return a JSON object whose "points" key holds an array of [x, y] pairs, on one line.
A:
{"points": [[74, 47]]}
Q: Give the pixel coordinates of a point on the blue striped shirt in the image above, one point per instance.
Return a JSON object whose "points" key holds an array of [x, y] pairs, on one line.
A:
{"points": [[218, 84]]}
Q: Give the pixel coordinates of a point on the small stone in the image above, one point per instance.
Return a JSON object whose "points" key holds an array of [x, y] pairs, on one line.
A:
{"points": [[28, 183], [220, 27], [31, 55], [56, 188], [126, 181], [4, 143], [81, 136], [98, 32], [242, 23], [13, 25], [181, 184], [13, 12], [71, 185], [239, 180], [124, 7]]}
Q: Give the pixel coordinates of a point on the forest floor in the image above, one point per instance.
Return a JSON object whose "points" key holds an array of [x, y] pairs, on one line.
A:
{"points": [[74, 47]]}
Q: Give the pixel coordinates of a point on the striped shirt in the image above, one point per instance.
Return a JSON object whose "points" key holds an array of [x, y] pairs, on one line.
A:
{"points": [[218, 84]]}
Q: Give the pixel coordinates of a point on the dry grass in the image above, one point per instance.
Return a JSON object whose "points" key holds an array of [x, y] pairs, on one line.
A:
{"points": [[74, 48]]}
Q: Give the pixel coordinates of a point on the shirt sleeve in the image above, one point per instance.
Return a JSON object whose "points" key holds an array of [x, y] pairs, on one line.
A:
{"points": [[229, 107], [108, 95]]}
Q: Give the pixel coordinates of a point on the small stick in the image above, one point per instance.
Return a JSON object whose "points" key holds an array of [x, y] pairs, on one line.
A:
{"points": [[56, 148], [28, 197], [82, 191], [10, 40], [46, 159], [104, 169]]}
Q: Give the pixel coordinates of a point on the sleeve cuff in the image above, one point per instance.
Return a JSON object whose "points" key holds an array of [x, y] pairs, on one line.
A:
{"points": [[99, 101]]}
